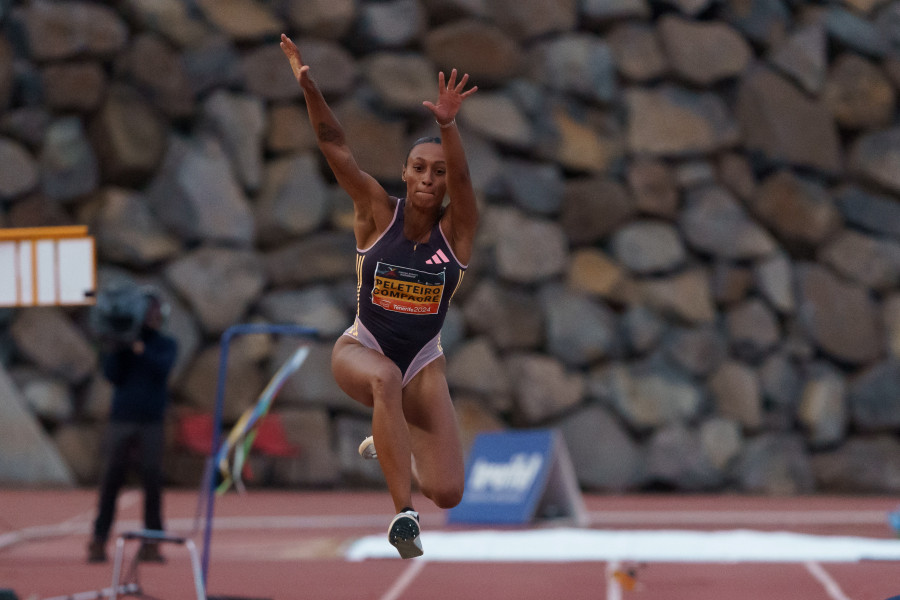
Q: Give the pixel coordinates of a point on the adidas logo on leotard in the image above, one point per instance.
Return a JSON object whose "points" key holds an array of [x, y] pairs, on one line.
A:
{"points": [[438, 258]]}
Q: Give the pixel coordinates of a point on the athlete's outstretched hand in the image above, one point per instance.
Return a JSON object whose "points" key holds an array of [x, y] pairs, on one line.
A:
{"points": [[450, 97], [293, 55]]}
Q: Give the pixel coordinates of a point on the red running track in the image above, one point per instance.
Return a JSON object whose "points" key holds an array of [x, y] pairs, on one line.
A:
{"points": [[288, 545]]}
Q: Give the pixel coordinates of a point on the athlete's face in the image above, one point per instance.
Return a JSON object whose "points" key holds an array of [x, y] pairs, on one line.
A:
{"points": [[425, 174]]}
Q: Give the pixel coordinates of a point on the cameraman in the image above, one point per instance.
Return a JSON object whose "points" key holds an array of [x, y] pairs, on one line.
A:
{"points": [[138, 371]]}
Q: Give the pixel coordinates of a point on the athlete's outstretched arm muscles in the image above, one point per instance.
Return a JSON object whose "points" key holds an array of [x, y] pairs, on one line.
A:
{"points": [[462, 212], [371, 203]]}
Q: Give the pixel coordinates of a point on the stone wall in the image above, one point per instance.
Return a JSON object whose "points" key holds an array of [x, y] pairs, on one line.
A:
{"points": [[689, 254]]}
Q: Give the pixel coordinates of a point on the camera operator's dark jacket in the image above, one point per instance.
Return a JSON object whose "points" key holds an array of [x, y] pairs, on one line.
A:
{"points": [[140, 380]]}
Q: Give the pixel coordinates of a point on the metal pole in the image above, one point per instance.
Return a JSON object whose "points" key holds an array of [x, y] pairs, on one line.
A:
{"points": [[209, 475]]}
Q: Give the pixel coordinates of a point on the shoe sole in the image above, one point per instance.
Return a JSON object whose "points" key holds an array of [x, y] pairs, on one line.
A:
{"points": [[367, 449], [404, 536]]}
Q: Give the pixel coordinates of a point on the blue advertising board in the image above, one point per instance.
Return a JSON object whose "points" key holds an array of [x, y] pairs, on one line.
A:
{"points": [[513, 477]]}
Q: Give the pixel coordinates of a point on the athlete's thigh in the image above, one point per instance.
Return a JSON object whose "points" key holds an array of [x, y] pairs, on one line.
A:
{"points": [[433, 428], [355, 367]]}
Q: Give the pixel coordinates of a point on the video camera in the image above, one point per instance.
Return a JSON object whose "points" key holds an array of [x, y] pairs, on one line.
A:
{"points": [[120, 311]]}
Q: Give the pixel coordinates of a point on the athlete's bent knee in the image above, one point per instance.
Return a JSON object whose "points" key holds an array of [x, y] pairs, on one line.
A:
{"points": [[445, 497], [386, 381]]}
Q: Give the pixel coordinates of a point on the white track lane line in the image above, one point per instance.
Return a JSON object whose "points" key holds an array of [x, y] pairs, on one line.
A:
{"points": [[405, 579], [613, 589], [833, 590], [79, 524], [739, 517]]}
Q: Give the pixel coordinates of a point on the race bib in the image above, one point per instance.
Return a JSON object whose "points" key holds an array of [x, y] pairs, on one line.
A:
{"points": [[405, 290]]}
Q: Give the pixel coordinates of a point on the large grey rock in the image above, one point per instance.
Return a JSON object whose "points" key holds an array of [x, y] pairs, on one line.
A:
{"points": [[773, 277], [875, 157], [535, 187], [803, 56], [703, 52], [159, 73], [542, 387], [495, 116], [735, 391], [81, 447], [675, 122], [330, 19], [529, 19], [48, 338], [244, 20], [638, 51], [7, 73], [579, 330], [612, 11], [309, 431], [294, 200], [313, 306], [698, 350], [862, 465], [874, 403], [61, 30], [19, 174], [219, 284], [721, 441], [213, 61], [128, 233], [685, 296], [654, 187], [172, 19], [866, 260], [313, 385], [753, 329], [129, 136], [27, 456], [856, 32], [266, 73], [859, 95], [646, 247], [676, 460], [463, 44], [385, 154], [647, 395], [577, 64], [762, 21], [509, 317], [603, 454], [74, 87], [714, 222], [244, 377], [797, 209], [390, 24], [594, 273], [527, 250], [823, 410], [776, 465], [69, 168], [238, 121], [784, 125], [476, 369], [402, 80], [593, 207], [877, 213], [196, 194], [839, 317]]}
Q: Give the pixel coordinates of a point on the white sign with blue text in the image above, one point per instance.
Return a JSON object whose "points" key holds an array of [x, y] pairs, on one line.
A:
{"points": [[515, 477]]}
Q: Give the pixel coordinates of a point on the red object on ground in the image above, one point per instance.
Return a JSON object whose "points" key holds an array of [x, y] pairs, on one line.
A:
{"points": [[195, 430]]}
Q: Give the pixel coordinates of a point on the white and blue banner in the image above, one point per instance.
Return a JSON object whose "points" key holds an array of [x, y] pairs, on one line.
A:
{"points": [[513, 477]]}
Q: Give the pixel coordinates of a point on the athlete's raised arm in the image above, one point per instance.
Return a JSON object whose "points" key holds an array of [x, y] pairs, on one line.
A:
{"points": [[461, 218], [373, 208]]}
